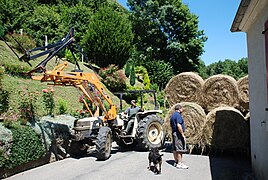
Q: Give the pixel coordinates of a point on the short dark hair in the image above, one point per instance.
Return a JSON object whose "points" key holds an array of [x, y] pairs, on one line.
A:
{"points": [[177, 107]]}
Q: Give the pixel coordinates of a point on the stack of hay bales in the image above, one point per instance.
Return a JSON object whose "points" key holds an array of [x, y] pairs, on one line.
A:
{"points": [[243, 91], [212, 110], [226, 128], [195, 116]]}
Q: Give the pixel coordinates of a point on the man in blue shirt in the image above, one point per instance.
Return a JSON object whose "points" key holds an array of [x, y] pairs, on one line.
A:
{"points": [[178, 137]]}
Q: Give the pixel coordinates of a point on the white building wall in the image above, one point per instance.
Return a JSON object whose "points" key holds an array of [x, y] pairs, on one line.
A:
{"points": [[258, 96]]}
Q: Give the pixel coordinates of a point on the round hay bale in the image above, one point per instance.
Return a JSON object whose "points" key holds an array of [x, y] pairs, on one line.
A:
{"points": [[184, 87], [194, 117], [243, 91], [226, 128], [220, 90]]}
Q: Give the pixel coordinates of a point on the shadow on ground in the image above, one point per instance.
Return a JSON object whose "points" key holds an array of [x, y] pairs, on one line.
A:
{"points": [[225, 165]]}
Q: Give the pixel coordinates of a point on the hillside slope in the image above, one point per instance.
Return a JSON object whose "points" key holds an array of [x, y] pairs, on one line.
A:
{"points": [[15, 84]]}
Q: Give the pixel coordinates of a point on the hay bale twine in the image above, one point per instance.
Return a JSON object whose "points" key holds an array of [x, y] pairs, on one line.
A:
{"points": [[194, 117], [226, 128], [243, 91], [220, 90], [184, 87]]}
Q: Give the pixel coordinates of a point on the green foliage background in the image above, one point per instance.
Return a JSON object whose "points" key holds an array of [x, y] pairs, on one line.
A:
{"points": [[108, 39], [160, 35]]}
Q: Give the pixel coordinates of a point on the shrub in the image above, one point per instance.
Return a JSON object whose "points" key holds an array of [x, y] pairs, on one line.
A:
{"points": [[154, 87], [25, 41], [4, 103], [27, 107], [113, 78], [70, 57], [4, 95], [5, 144], [1, 30], [3, 159], [62, 105], [16, 69], [48, 100], [27, 146], [142, 75], [146, 82]]}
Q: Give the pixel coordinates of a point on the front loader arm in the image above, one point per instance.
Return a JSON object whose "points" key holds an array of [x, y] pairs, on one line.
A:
{"points": [[88, 83]]}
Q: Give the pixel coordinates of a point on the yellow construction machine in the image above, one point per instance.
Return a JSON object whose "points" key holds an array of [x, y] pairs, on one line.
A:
{"points": [[104, 125]]}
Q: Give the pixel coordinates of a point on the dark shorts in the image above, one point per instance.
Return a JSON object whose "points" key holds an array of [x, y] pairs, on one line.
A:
{"points": [[178, 143]]}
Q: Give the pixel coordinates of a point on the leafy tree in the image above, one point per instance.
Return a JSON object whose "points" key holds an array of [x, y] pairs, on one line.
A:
{"points": [[132, 76], [229, 67], [108, 39], [243, 65], [14, 13], [169, 29], [159, 72], [202, 70], [45, 20], [76, 17]]}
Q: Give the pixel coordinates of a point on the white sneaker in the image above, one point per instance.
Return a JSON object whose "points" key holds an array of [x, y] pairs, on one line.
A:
{"points": [[181, 166]]}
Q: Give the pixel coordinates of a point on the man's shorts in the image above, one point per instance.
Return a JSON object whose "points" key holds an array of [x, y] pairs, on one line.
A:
{"points": [[178, 143]]}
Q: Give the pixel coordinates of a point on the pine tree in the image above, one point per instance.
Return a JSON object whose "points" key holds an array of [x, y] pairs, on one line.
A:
{"points": [[132, 76], [127, 70]]}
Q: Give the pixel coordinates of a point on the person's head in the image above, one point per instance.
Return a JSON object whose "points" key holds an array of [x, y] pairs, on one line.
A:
{"points": [[178, 107], [133, 103]]}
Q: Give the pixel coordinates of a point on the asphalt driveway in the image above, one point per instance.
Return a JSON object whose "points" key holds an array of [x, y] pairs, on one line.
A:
{"points": [[132, 165]]}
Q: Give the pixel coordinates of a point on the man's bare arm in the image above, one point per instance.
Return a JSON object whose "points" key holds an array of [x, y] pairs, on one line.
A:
{"points": [[180, 130]]}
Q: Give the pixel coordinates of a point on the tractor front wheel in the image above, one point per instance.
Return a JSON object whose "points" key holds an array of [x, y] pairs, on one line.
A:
{"points": [[104, 143]]}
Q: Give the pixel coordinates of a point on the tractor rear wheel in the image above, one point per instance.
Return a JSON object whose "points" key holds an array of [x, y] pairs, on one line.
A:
{"points": [[150, 132], [104, 143]]}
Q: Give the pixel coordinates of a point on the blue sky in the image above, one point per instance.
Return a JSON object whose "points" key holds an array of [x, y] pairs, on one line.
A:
{"points": [[216, 18]]}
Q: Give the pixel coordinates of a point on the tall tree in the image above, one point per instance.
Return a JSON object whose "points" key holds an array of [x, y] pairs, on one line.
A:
{"points": [[132, 78], [229, 67], [109, 37], [170, 30], [78, 17], [127, 69], [45, 20], [160, 73], [14, 13]]}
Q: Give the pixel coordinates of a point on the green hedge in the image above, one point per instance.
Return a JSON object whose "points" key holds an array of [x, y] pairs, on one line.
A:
{"points": [[26, 146]]}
